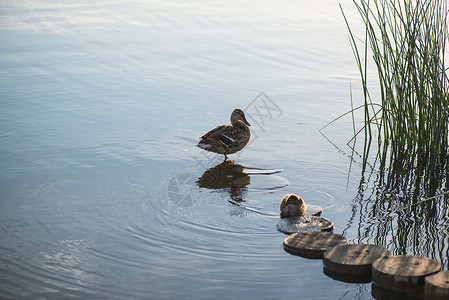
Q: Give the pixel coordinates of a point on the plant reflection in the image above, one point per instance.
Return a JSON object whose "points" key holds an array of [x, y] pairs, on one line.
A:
{"points": [[403, 205], [227, 176]]}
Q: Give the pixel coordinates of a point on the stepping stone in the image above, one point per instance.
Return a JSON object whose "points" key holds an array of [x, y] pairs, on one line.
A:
{"points": [[304, 223], [403, 272], [347, 277], [353, 259], [312, 244], [437, 286], [381, 294]]}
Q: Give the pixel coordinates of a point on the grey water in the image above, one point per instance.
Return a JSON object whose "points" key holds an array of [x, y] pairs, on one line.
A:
{"points": [[103, 194]]}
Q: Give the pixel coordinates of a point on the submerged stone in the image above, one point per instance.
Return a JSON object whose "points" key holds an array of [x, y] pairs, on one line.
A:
{"points": [[304, 223]]}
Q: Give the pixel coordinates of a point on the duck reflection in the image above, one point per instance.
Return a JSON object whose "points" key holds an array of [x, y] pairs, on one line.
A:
{"points": [[228, 176]]}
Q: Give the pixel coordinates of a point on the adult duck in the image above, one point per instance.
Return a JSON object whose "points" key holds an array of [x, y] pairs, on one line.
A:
{"points": [[227, 139]]}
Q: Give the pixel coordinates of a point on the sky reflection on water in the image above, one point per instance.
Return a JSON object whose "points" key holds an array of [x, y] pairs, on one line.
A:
{"points": [[102, 104]]}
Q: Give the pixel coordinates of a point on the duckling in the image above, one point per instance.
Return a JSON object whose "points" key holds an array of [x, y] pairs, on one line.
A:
{"points": [[295, 219], [227, 139], [292, 205]]}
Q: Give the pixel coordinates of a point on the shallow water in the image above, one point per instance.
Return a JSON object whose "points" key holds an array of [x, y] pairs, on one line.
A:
{"points": [[101, 190]]}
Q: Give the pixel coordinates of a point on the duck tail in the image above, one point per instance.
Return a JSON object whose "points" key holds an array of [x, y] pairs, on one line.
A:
{"points": [[203, 146]]}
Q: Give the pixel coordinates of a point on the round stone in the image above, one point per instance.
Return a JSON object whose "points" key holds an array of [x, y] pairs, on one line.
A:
{"points": [[403, 272], [312, 244], [304, 223], [348, 278], [437, 286], [353, 259]]}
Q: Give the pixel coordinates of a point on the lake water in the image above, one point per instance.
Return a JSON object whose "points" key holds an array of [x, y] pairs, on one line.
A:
{"points": [[101, 194]]}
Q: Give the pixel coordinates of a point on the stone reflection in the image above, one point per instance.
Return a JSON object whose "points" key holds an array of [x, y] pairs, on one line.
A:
{"points": [[403, 208], [227, 176]]}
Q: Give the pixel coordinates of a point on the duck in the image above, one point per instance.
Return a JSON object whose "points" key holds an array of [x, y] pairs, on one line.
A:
{"points": [[294, 217], [227, 139], [292, 206]]}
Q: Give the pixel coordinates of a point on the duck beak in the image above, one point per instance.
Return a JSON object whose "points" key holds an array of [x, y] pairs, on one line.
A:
{"points": [[246, 122]]}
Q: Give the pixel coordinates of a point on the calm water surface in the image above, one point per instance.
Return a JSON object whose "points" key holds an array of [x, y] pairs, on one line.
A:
{"points": [[101, 191]]}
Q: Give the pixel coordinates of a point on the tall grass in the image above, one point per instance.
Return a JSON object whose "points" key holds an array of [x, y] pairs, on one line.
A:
{"points": [[406, 40]]}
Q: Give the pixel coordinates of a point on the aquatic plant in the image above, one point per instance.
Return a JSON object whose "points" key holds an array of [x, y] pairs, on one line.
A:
{"points": [[406, 41], [403, 193]]}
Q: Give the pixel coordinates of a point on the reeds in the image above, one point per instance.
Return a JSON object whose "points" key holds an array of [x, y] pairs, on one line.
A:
{"points": [[406, 41]]}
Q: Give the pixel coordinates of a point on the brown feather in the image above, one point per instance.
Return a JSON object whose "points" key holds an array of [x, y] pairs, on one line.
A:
{"points": [[227, 139]]}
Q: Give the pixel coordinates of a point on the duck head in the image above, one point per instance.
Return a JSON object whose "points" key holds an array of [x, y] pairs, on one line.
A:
{"points": [[292, 205], [237, 115]]}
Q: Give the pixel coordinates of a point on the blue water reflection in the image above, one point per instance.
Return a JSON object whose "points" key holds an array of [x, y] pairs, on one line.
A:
{"points": [[101, 106]]}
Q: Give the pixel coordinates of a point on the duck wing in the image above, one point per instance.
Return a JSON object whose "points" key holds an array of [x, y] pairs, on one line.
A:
{"points": [[221, 135], [226, 140]]}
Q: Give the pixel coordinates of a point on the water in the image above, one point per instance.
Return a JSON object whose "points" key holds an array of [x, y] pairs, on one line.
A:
{"points": [[101, 105]]}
